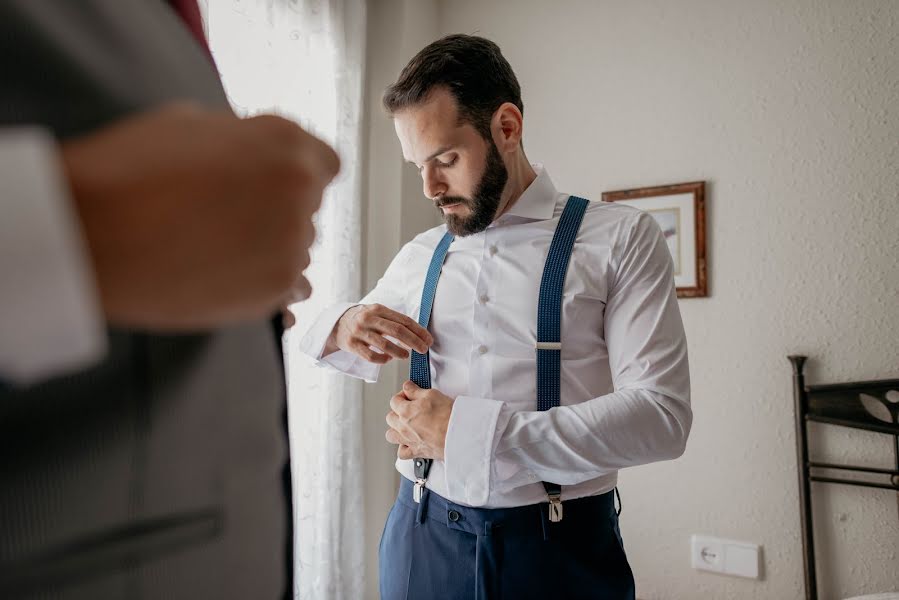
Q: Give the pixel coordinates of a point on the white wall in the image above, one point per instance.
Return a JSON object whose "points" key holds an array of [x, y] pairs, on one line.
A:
{"points": [[790, 110]]}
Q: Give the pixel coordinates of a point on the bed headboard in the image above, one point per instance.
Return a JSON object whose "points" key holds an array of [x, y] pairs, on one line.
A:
{"points": [[868, 405]]}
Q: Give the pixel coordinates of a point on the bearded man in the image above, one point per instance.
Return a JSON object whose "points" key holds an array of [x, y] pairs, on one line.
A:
{"points": [[550, 355]]}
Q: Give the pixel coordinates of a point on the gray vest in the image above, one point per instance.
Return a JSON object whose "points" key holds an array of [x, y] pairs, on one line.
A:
{"points": [[159, 472]]}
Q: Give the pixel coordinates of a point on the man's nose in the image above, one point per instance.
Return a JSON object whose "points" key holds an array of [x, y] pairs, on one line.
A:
{"points": [[432, 185]]}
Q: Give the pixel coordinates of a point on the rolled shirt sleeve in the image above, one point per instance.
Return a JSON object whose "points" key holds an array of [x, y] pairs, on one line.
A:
{"points": [[50, 316], [647, 418]]}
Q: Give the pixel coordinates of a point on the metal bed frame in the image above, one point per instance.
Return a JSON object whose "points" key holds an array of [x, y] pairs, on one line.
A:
{"points": [[868, 405]]}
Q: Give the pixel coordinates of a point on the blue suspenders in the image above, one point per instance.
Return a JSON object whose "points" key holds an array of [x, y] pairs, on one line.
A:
{"points": [[549, 340], [549, 324], [420, 366]]}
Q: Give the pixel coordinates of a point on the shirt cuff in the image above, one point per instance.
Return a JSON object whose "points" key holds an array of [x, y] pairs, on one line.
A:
{"points": [[469, 447], [50, 316], [313, 344]]}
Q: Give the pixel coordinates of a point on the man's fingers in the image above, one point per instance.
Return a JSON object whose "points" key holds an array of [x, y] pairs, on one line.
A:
{"points": [[385, 345], [288, 319], [399, 332], [308, 164], [278, 128], [307, 237], [412, 326], [411, 390], [327, 157], [388, 348], [403, 450], [398, 404], [327, 162], [370, 326], [361, 349], [300, 291], [394, 350], [394, 437]]}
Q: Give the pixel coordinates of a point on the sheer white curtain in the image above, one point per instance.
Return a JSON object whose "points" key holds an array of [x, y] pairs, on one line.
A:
{"points": [[304, 59]]}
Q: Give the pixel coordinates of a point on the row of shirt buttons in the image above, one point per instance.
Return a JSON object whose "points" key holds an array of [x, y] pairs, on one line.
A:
{"points": [[484, 298]]}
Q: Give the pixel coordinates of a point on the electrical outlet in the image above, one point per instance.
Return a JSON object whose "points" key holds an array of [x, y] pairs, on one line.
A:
{"points": [[727, 557]]}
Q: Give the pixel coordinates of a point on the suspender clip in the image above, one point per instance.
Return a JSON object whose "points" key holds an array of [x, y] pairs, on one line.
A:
{"points": [[555, 507], [548, 346], [417, 490]]}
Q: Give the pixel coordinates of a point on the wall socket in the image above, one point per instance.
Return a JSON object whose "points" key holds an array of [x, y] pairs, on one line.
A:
{"points": [[727, 557]]}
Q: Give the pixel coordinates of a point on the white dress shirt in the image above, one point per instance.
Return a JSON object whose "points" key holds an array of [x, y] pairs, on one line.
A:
{"points": [[50, 318], [625, 389]]}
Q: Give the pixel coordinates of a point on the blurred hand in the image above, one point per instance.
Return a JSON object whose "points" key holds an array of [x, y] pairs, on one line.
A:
{"points": [[366, 326], [197, 218], [288, 319]]}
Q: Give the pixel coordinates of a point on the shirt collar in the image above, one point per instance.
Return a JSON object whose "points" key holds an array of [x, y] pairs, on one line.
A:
{"points": [[538, 201]]}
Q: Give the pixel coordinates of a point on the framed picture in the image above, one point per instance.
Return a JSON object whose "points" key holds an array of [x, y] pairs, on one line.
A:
{"points": [[680, 212]]}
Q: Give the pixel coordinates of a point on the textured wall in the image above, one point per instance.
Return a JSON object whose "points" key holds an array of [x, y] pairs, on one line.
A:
{"points": [[790, 110]]}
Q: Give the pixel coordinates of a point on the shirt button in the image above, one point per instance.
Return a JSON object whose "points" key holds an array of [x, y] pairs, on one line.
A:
{"points": [[483, 298], [493, 250], [453, 516], [482, 349]]}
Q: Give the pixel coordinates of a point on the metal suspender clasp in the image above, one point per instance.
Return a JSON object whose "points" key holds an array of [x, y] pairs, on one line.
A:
{"points": [[416, 491], [422, 467], [549, 346], [555, 507]]}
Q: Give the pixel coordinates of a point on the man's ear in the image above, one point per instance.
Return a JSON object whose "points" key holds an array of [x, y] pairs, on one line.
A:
{"points": [[506, 127]]}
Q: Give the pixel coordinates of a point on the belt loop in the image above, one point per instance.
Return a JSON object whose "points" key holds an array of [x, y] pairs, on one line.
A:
{"points": [[422, 507]]}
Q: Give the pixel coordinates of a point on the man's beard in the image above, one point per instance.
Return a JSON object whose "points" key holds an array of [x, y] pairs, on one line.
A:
{"points": [[483, 204]]}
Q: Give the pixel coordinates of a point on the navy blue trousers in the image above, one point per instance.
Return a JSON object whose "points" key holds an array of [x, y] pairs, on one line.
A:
{"points": [[440, 550]]}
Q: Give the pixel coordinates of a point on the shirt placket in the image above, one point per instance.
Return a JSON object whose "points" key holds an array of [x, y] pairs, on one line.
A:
{"points": [[482, 347]]}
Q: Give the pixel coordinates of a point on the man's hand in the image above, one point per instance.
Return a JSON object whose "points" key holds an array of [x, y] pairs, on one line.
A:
{"points": [[196, 218], [418, 420], [366, 326], [288, 319]]}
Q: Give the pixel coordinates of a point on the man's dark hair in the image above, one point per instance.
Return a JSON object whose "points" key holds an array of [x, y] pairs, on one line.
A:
{"points": [[473, 70]]}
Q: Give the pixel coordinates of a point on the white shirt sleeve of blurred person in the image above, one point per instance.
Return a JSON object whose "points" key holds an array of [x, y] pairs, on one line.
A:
{"points": [[50, 317]]}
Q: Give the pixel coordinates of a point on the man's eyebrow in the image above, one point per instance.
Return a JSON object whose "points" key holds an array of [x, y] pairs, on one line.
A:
{"points": [[435, 154]]}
